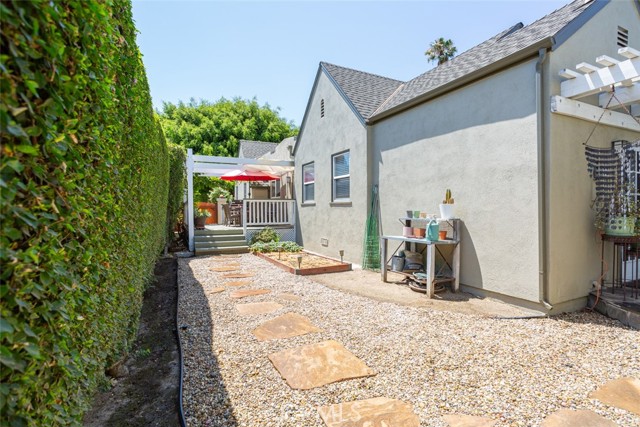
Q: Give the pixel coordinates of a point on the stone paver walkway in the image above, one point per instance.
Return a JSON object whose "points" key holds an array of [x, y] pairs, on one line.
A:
{"points": [[258, 308], [379, 411], [315, 365], [286, 326], [249, 293], [581, 418]]}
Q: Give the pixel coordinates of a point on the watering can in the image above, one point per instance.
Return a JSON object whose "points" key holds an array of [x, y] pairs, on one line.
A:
{"points": [[432, 230]]}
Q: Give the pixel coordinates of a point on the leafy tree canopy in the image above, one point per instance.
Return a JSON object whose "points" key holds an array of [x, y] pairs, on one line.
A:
{"points": [[214, 129], [441, 50]]}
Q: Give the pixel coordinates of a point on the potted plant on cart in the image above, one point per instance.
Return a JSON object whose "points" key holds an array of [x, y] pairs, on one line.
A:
{"points": [[200, 219], [446, 207]]}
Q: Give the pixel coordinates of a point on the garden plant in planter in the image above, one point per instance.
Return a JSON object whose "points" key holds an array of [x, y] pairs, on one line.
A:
{"points": [[200, 219]]}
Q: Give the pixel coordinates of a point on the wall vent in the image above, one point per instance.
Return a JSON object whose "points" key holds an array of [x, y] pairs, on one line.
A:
{"points": [[322, 108], [623, 37]]}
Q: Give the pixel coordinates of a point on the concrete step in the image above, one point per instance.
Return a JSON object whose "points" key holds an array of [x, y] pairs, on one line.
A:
{"points": [[222, 244], [220, 232], [222, 250], [219, 238]]}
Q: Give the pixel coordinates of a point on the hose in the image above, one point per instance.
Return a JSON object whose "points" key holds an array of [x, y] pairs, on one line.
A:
{"points": [[183, 422]]}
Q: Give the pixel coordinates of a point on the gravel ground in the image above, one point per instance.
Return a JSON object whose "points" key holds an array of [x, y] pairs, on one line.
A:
{"points": [[514, 371]]}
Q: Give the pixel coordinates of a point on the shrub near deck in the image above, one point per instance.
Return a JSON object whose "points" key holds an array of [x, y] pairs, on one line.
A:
{"points": [[83, 203]]}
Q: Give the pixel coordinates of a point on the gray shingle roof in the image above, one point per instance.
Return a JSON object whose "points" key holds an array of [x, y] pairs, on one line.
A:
{"points": [[255, 149], [366, 91], [374, 95]]}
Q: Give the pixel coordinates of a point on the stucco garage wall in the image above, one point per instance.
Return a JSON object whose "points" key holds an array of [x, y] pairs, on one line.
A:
{"points": [[574, 249], [479, 141], [339, 130]]}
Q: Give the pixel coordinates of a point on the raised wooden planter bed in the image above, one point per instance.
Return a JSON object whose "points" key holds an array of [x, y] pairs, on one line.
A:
{"points": [[315, 264]]}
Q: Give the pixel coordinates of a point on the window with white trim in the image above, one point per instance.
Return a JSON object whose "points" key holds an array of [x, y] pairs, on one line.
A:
{"points": [[340, 177], [308, 182]]}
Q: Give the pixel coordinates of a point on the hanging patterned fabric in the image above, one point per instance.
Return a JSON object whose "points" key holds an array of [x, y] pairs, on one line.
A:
{"points": [[614, 172]]}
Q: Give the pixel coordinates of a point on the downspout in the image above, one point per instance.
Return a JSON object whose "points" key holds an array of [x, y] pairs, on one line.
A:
{"points": [[543, 284]]}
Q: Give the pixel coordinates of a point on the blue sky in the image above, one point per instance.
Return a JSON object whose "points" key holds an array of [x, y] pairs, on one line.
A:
{"points": [[271, 50]]}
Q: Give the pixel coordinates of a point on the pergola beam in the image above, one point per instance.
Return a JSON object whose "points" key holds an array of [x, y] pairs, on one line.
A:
{"points": [[600, 79], [623, 95], [591, 113]]}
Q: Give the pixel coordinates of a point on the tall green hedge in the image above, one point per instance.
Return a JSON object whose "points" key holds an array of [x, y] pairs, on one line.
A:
{"points": [[177, 184], [83, 191]]}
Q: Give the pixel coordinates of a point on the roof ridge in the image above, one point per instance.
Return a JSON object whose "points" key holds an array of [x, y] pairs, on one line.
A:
{"points": [[360, 71]]}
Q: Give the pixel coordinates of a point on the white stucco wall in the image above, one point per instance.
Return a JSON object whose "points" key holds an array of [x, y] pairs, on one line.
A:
{"points": [[339, 130], [574, 248], [479, 141]]}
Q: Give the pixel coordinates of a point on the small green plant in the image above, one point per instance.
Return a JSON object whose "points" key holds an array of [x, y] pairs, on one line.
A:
{"points": [[218, 192], [265, 235], [199, 212], [142, 353], [264, 247], [448, 200]]}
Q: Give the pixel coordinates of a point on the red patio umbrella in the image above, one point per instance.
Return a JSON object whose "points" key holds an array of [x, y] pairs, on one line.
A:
{"points": [[241, 175]]}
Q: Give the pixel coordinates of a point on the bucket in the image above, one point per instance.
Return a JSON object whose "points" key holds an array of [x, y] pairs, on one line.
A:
{"points": [[433, 229], [397, 263], [447, 211]]}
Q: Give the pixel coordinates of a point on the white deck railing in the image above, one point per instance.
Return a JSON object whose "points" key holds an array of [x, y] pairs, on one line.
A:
{"points": [[268, 212]]}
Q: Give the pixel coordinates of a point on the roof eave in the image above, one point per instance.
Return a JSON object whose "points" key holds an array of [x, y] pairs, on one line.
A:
{"points": [[344, 95], [505, 62]]}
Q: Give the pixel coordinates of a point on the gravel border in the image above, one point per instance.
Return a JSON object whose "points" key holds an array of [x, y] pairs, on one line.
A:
{"points": [[514, 371]]}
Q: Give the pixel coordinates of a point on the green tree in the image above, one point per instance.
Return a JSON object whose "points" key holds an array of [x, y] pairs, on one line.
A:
{"points": [[441, 50], [214, 129]]}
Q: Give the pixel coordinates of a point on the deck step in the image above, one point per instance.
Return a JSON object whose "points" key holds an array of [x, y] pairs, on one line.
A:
{"points": [[220, 232], [222, 250], [219, 238], [220, 244]]}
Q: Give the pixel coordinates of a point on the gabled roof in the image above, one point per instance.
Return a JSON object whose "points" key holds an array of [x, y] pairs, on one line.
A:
{"points": [[509, 42], [375, 97], [255, 149], [365, 91]]}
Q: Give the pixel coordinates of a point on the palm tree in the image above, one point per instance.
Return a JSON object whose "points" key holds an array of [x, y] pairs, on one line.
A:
{"points": [[441, 50]]}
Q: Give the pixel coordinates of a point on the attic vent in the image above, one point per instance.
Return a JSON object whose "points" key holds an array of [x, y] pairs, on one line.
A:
{"points": [[322, 108], [623, 37]]}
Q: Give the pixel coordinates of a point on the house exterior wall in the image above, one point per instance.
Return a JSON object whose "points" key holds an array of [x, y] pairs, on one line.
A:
{"points": [[342, 225], [574, 246], [479, 141]]}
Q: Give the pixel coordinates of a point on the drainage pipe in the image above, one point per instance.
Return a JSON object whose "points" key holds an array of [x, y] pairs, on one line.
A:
{"points": [[183, 422], [543, 284]]}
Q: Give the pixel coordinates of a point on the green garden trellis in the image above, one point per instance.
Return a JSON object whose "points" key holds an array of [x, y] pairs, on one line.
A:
{"points": [[371, 246]]}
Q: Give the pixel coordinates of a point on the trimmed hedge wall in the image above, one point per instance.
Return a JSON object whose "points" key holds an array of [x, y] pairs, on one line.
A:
{"points": [[84, 186], [177, 184]]}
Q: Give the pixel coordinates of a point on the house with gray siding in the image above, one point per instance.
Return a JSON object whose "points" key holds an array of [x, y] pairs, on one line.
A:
{"points": [[490, 124]]}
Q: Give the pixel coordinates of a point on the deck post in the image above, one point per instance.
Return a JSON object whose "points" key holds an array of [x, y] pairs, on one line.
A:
{"points": [[244, 219], [190, 212]]}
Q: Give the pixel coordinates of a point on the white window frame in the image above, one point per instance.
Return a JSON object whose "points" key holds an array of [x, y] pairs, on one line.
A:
{"points": [[335, 178], [306, 184]]}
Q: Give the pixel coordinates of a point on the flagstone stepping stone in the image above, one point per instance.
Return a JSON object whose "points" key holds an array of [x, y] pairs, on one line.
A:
{"points": [[238, 283], [579, 418], [258, 307], [221, 269], [461, 420], [249, 293], [237, 275], [622, 393], [315, 365], [379, 411], [286, 326], [216, 290], [289, 297]]}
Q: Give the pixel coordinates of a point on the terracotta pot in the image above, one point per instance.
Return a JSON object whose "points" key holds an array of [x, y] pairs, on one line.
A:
{"points": [[419, 232], [211, 207], [442, 235]]}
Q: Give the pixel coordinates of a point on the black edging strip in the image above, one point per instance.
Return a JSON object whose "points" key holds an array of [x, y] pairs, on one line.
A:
{"points": [[183, 422]]}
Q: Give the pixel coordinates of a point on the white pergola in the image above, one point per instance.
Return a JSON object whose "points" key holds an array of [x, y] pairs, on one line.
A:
{"points": [[619, 77], [217, 166]]}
